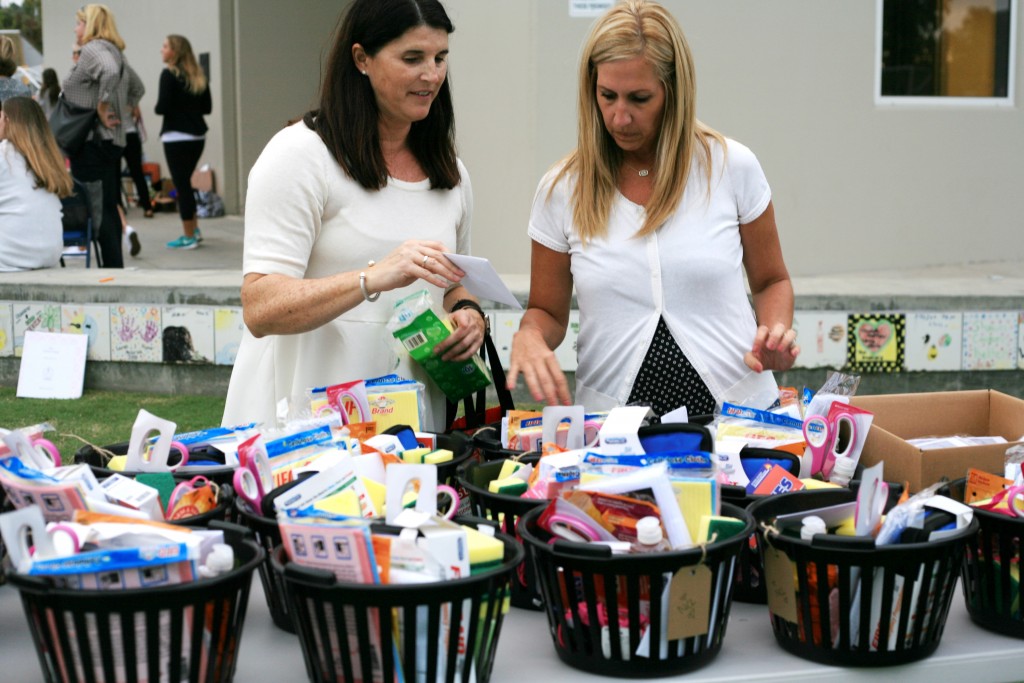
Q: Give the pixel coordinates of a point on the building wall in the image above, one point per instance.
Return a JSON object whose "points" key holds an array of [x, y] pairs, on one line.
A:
{"points": [[857, 186]]}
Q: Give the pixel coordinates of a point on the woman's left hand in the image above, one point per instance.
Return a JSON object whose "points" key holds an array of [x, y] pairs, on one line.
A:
{"points": [[773, 349], [467, 337]]}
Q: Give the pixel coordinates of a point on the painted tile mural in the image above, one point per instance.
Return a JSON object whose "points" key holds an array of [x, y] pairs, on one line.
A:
{"points": [[990, 340], [187, 334], [92, 320], [34, 317], [135, 333], [876, 342], [934, 341], [227, 334], [6, 329], [822, 338]]}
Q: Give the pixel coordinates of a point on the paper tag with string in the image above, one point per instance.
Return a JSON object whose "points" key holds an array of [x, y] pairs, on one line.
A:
{"points": [[780, 575], [689, 602]]}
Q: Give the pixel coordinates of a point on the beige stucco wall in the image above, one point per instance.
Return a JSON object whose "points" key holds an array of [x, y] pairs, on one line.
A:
{"points": [[857, 186]]}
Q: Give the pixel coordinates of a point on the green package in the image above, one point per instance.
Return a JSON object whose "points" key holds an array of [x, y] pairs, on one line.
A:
{"points": [[419, 328]]}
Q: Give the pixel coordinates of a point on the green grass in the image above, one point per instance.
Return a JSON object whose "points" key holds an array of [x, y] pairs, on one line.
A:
{"points": [[103, 418]]}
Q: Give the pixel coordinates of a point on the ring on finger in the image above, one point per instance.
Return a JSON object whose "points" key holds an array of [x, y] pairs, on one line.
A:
{"points": [[424, 261]]}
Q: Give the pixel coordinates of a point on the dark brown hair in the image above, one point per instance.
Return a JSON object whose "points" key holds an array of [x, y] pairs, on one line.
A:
{"points": [[347, 119]]}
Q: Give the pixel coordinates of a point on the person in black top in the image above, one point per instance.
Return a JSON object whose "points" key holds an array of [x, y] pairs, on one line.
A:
{"points": [[183, 100]]}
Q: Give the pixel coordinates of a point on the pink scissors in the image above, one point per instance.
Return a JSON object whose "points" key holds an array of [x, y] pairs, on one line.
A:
{"points": [[829, 439], [254, 477], [1009, 501]]}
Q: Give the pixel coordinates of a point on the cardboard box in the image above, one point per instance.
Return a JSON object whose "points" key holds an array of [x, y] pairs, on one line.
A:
{"points": [[945, 413]]}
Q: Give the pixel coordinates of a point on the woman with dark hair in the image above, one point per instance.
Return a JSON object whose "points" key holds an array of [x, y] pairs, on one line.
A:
{"points": [[353, 209], [48, 93]]}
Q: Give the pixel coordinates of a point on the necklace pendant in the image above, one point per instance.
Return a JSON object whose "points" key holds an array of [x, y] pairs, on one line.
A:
{"points": [[643, 173]]}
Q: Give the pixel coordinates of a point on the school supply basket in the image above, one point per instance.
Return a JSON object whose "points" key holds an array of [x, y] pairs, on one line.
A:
{"points": [[750, 585], [487, 444], [268, 535], [991, 570], [217, 472], [184, 632], [361, 633], [595, 601], [505, 510], [840, 600]]}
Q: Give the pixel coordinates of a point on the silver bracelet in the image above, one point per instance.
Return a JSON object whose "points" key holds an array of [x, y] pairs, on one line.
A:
{"points": [[362, 285]]}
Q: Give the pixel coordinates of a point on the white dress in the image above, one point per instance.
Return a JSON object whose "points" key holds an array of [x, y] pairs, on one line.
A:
{"points": [[305, 218], [689, 271], [31, 234]]}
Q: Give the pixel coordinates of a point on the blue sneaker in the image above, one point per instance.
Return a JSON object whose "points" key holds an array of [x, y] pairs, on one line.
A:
{"points": [[183, 243], [198, 235]]}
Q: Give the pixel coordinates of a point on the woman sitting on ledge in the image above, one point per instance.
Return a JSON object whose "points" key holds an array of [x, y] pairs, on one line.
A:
{"points": [[32, 181]]}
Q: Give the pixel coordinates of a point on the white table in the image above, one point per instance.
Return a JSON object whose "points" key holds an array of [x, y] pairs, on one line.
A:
{"points": [[525, 653]]}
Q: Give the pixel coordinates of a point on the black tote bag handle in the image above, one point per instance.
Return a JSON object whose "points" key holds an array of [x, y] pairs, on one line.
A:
{"points": [[476, 406]]}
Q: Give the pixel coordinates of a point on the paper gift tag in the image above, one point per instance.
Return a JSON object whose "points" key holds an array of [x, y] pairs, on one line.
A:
{"points": [[689, 602], [780, 575]]}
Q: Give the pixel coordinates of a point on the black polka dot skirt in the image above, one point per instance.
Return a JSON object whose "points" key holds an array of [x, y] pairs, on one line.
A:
{"points": [[667, 380]]}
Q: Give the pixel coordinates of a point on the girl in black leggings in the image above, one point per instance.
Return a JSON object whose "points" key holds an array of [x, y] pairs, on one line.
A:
{"points": [[183, 100]]}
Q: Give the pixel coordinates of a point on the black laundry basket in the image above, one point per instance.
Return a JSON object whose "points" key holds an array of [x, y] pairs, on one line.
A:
{"points": [[904, 590], [487, 445], [268, 535], [504, 510], [750, 586], [185, 632], [461, 446], [97, 462], [991, 570], [357, 632], [578, 580]]}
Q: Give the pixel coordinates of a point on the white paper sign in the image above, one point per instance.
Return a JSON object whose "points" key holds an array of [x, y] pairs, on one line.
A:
{"points": [[52, 365], [482, 280]]}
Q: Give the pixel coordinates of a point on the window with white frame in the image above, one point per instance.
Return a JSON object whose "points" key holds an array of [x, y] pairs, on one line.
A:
{"points": [[946, 51]]}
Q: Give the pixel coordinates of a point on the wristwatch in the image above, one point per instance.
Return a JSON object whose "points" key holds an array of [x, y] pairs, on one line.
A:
{"points": [[469, 303]]}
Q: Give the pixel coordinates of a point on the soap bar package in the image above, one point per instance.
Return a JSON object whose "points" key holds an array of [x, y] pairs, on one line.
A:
{"points": [[419, 327]]}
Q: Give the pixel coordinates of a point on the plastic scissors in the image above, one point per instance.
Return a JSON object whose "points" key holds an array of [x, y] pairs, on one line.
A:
{"points": [[829, 439], [1009, 501], [254, 477]]}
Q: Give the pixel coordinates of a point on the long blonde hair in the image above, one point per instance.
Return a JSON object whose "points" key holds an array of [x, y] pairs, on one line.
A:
{"points": [[636, 28], [185, 64], [29, 132], [99, 24]]}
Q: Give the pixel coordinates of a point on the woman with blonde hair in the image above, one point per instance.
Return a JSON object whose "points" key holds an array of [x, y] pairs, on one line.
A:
{"points": [[183, 100], [98, 80], [10, 86], [655, 219], [32, 181]]}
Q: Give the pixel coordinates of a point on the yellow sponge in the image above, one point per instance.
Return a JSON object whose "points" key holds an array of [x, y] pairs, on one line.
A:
{"points": [[118, 463], [483, 549], [508, 468], [438, 456], [414, 456], [810, 483], [377, 493], [724, 527], [510, 486], [342, 503]]}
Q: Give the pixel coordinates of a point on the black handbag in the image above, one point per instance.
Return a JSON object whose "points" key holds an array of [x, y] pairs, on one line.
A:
{"points": [[71, 124]]}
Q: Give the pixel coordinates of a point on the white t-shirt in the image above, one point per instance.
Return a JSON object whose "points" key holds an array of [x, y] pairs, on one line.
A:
{"points": [[31, 234], [305, 218], [689, 271]]}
